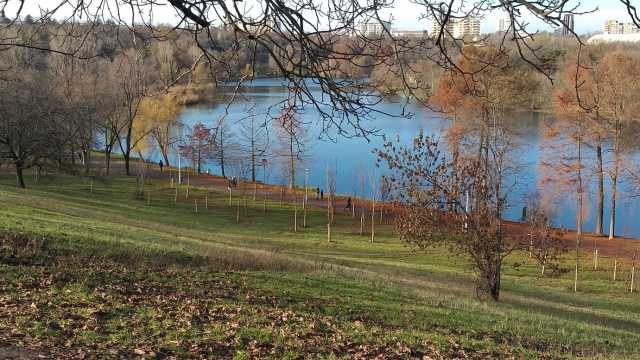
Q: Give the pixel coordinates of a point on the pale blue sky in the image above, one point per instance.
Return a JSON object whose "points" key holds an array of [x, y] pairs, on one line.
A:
{"points": [[406, 15]]}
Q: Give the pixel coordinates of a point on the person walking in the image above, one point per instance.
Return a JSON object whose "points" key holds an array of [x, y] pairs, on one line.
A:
{"points": [[317, 193], [321, 194], [161, 165], [348, 204]]}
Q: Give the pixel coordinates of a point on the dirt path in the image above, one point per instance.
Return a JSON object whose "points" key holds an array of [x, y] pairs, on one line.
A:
{"points": [[620, 247]]}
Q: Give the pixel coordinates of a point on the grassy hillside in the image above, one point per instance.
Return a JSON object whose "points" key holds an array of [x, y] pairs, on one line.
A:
{"points": [[99, 273]]}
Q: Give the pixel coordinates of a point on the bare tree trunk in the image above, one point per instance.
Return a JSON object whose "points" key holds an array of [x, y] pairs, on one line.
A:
{"points": [[199, 162], [580, 214], [165, 156], [614, 192], [87, 161], [222, 162], [107, 160], [373, 220], [600, 196], [20, 176], [127, 157]]}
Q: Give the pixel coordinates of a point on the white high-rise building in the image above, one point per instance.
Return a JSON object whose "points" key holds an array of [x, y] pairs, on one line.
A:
{"points": [[373, 29], [436, 27], [504, 24], [614, 27], [630, 28], [467, 27]]}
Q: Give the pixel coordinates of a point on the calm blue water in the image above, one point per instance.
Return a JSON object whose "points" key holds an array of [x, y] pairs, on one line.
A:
{"points": [[353, 156]]}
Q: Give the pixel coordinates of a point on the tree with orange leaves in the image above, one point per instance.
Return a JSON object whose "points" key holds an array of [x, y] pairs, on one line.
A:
{"points": [[600, 90], [486, 87]]}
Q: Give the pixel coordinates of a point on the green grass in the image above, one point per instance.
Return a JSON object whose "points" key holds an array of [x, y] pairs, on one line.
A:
{"points": [[128, 277]]}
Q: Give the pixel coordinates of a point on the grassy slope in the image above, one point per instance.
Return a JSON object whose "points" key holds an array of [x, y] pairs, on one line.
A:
{"points": [[132, 278]]}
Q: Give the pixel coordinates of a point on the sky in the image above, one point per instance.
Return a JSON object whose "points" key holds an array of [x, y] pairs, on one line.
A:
{"points": [[406, 15]]}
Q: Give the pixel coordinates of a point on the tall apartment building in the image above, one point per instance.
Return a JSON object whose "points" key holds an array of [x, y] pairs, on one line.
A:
{"points": [[630, 28], [436, 27], [459, 29], [613, 27], [568, 24], [467, 27], [504, 24], [375, 28]]}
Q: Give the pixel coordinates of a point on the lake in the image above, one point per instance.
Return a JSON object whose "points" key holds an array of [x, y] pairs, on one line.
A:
{"points": [[353, 156]]}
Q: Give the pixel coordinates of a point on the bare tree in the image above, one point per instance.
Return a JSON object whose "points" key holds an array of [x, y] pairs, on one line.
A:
{"points": [[291, 137], [255, 139], [225, 148], [28, 123], [546, 243], [133, 84], [432, 214]]}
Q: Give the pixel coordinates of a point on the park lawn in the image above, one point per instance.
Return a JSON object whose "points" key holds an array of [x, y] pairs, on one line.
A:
{"points": [[120, 276]]}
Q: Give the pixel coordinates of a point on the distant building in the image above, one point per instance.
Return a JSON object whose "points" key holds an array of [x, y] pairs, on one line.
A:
{"points": [[374, 29], [568, 24], [437, 26], [468, 27], [414, 34], [504, 24], [613, 27], [612, 38], [630, 28], [3, 18]]}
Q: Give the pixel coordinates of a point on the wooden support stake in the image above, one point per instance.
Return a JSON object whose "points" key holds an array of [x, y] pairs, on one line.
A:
{"points": [[281, 195], [633, 269], [195, 203], [238, 213], [206, 201]]}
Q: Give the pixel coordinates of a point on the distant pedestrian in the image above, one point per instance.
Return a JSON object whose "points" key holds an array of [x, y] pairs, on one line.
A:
{"points": [[161, 164], [321, 194], [348, 204], [317, 193]]}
